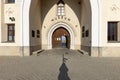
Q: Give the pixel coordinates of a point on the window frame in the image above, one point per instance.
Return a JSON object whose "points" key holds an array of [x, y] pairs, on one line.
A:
{"points": [[87, 33], [33, 34], [10, 1], [11, 32], [83, 31], [61, 9], [112, 32], [38, 33]]}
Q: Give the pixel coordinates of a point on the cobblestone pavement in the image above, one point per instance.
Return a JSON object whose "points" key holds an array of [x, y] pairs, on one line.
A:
{"points": [[53, 65]]}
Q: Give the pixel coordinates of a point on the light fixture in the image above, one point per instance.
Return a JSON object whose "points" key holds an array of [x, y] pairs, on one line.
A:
{"points": [[12, 18]]}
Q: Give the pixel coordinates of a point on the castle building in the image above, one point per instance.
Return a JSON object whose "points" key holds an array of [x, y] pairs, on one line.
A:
{"points": [[91, 26]]}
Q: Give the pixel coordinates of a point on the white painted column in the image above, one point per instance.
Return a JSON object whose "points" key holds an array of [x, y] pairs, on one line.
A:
{"points": [[25, 28], [0, 19], [96, 29], [95, 23]]}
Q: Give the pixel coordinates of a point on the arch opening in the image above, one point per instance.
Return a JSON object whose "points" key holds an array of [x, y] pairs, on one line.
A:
{"points": [[67, 30], [61, 38], [88, 20]]}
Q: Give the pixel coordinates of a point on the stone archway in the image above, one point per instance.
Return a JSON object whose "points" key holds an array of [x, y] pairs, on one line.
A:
{"points": [[94, 7], [65, 26], [61, 38]]}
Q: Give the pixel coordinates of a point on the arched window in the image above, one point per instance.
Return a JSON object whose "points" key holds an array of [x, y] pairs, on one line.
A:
{"points": [[60, 8]]}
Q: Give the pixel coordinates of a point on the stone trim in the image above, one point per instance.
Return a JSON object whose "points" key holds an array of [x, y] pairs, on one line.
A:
{"points": [[67, 27]]}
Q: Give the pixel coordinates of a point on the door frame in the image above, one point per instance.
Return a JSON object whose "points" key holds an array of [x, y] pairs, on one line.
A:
{"points": [[67, 38], [58, 25]]}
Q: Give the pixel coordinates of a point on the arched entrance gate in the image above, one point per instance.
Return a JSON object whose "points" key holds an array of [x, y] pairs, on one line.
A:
{"points": [[55, 34], [61, 38], [94, 7]]}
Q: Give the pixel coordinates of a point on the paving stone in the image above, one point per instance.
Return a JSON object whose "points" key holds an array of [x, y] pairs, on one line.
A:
{"points": [[50, 65]]}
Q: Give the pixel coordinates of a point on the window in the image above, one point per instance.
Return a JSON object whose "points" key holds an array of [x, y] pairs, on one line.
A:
{"points": [[112, 31], [83, 35], [11, 1], [87, 33], [38, 34], [33, 33], [83, 31], [61, 10], [11, 32]]}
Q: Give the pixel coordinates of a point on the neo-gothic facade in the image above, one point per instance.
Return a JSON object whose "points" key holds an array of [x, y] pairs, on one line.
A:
{"points": [[91, 26]]}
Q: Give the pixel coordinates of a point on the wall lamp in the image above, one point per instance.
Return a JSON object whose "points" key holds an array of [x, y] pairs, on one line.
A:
{"points": [[12, 18]]}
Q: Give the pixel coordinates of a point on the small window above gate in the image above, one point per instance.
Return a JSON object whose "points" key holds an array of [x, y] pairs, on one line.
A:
{"points": [[61, 8]]}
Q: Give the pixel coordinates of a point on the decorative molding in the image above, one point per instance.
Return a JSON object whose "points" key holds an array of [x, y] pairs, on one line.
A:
{"points": [[61, 18], [67, 27], [9, 11], [115, 8]]}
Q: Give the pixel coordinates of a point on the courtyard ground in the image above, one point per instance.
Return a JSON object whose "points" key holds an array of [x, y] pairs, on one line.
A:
{"points": [[59, 64]]}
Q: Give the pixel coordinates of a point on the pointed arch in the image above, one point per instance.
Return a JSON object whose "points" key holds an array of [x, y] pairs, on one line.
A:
{"points": [[56, 26]]}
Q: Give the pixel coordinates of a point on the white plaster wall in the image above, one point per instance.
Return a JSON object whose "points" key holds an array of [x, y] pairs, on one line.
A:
{"points": [[35, 22], [86, 22], [48, 12], [25, 23], [25, 18], [10, 10], [74, 24], [95, 18], [95, 23], [110, 12], [15, 11], [0, 18]]}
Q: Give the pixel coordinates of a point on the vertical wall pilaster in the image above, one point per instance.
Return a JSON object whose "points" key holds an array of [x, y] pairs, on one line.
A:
{"points": [[25, 28], [0, 18], [96, 30]]}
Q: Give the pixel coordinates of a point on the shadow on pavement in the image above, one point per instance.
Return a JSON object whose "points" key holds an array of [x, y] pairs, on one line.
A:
{"points": [[63, 75]]}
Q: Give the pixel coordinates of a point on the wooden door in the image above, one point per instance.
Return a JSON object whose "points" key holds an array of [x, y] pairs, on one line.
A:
{"points": [[56, 38]]}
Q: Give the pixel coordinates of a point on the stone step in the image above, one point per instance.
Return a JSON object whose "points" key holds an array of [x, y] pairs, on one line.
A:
{"points": [[83, 52], [37, 52]]}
